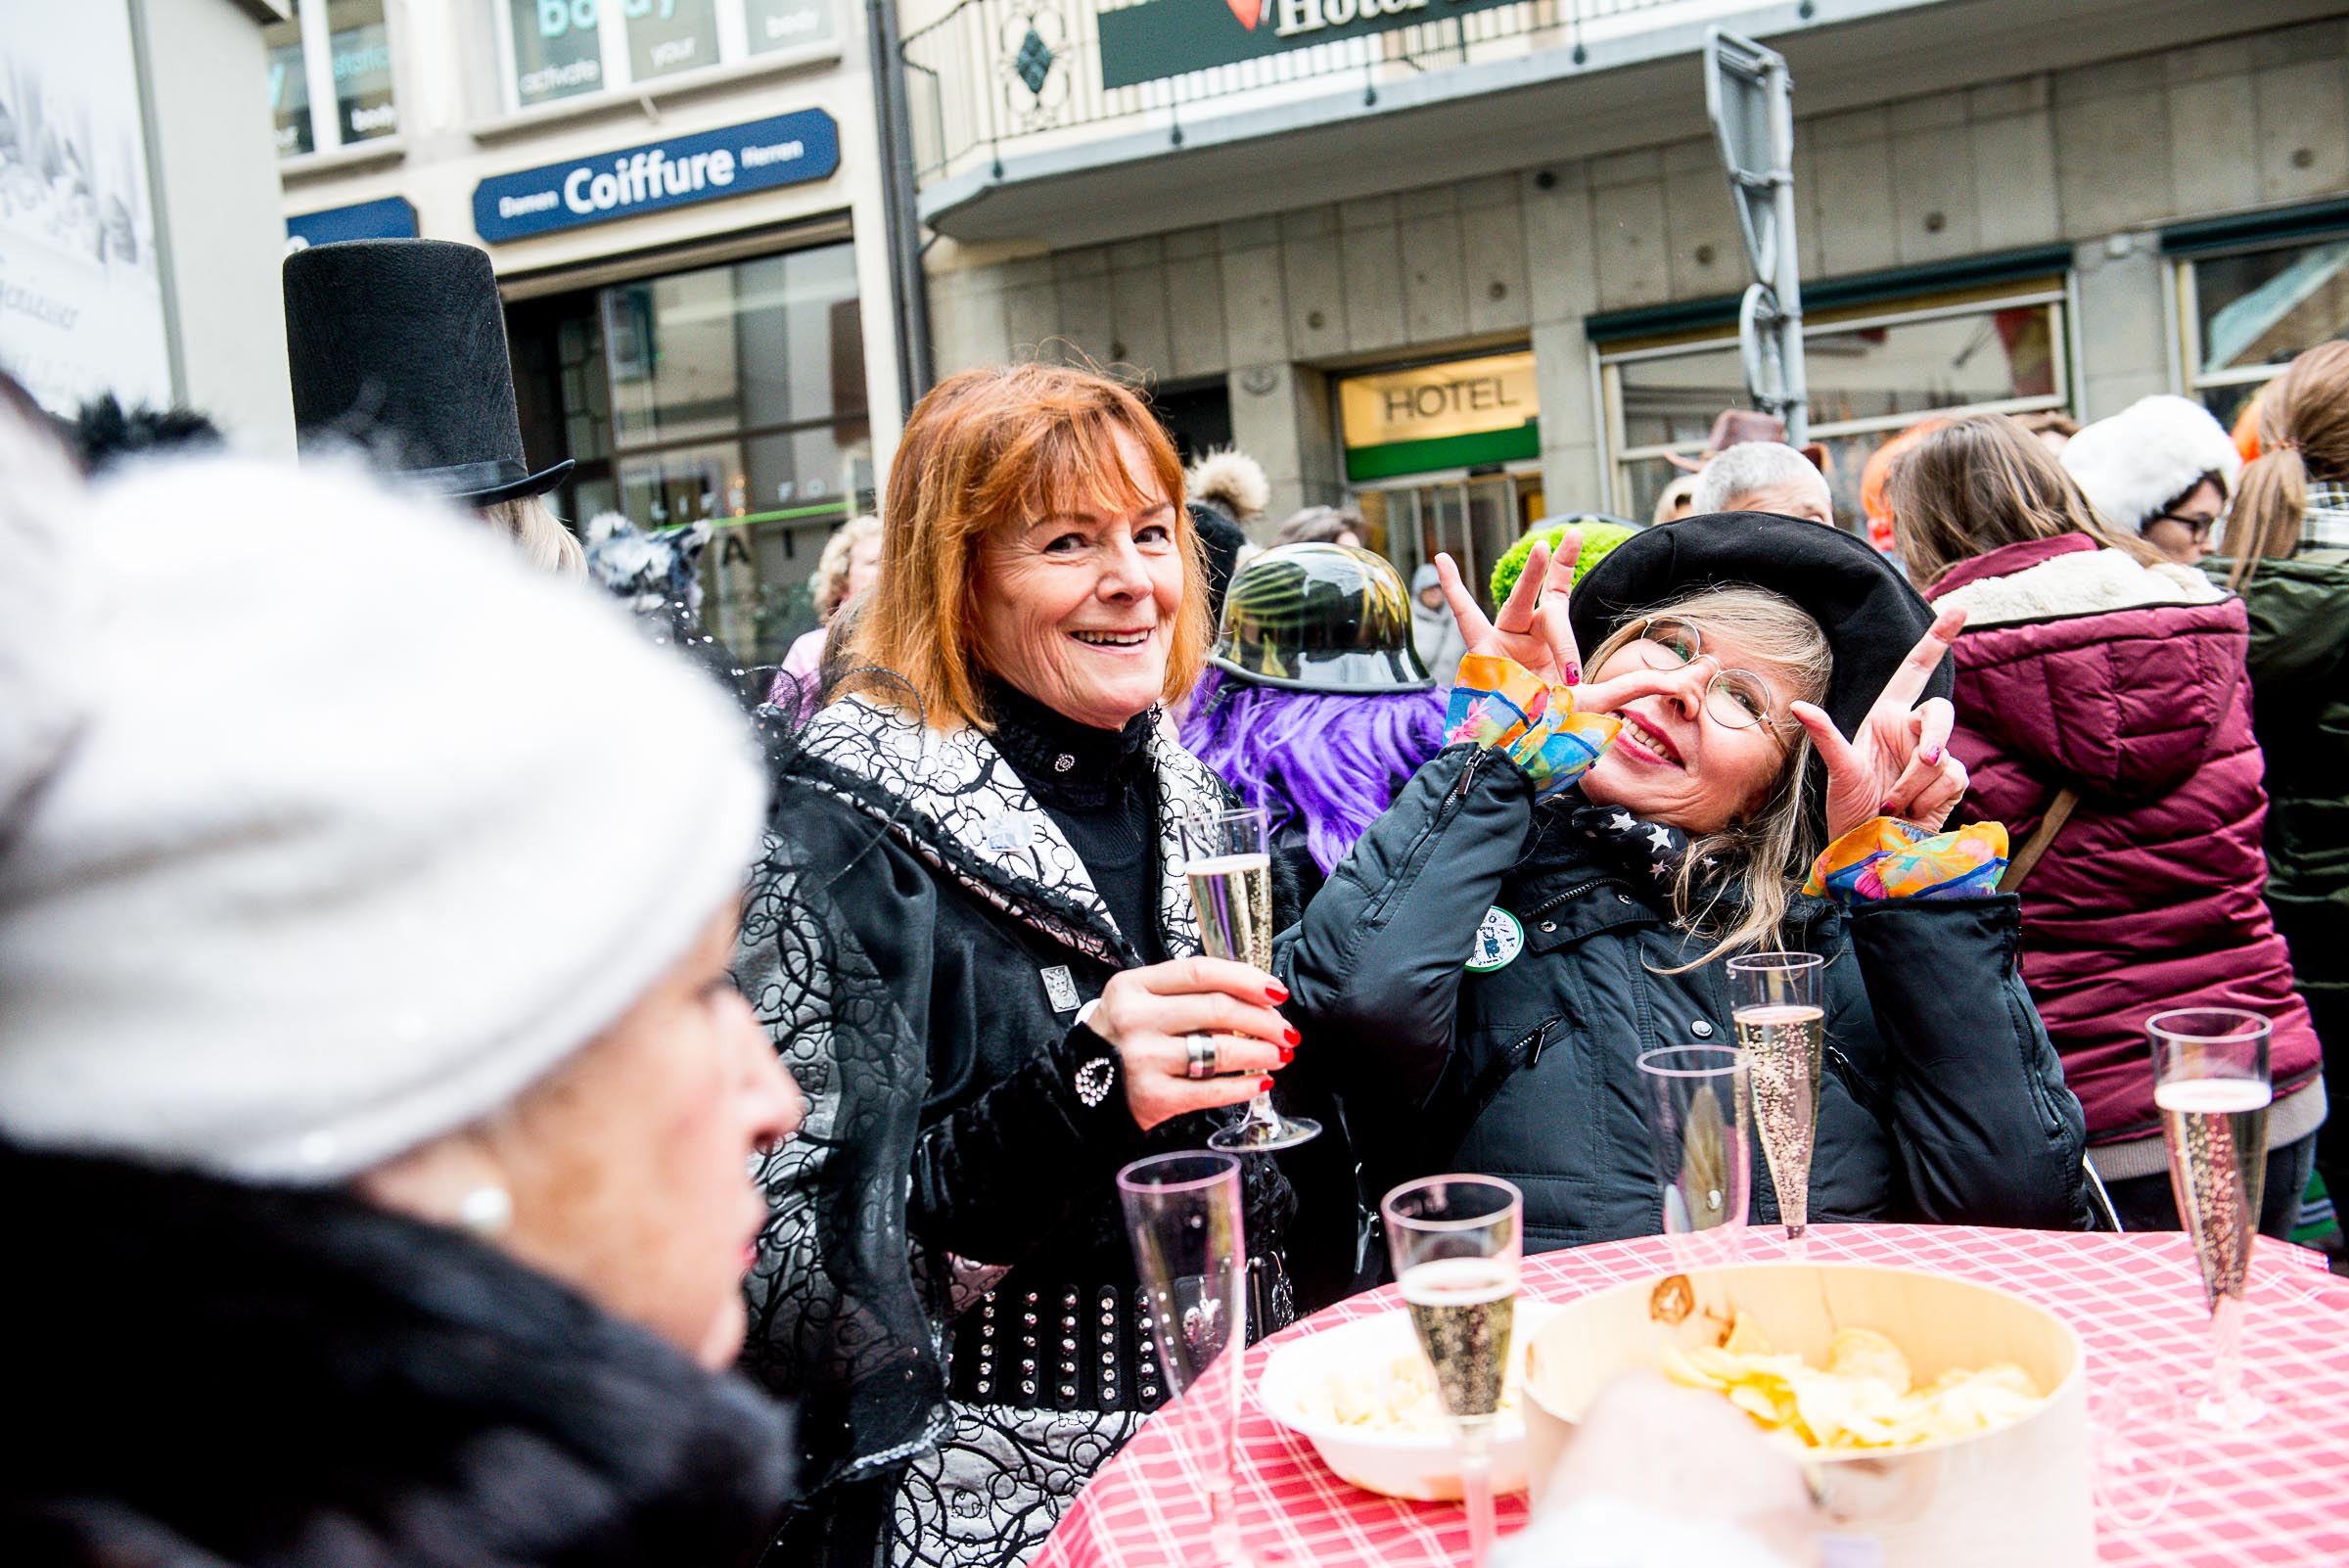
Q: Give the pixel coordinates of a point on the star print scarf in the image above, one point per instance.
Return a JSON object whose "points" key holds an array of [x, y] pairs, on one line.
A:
{"points": [[1652, 850]]}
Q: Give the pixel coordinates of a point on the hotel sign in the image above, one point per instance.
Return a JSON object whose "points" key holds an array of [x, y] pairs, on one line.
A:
{"points": [[786, 150], [1161, 38], [1463, 414]]}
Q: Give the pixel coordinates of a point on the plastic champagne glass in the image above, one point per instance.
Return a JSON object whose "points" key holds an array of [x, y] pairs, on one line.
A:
{"points": [[1185, 1218], [1228, 866], [1456, 1241], [1774, 1000], [2210, 1083], [1700, 1123]]}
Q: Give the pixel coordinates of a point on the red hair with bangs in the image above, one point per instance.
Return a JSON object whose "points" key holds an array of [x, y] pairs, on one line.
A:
{"points": [[994, 450]]}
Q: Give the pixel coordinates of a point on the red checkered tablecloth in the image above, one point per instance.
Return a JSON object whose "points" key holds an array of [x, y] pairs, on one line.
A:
{"points": [[2277, 1495]]}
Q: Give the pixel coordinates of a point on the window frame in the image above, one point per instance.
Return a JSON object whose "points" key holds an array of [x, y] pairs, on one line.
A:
{"points": [[2052, 292], [327, 145], [734, 58], [2189, 378]]}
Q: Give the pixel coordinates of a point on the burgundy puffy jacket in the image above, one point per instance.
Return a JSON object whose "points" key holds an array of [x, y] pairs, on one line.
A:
{"points": [[2072, 673]]}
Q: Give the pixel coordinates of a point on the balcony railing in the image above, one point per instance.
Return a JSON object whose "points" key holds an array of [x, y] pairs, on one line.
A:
{"points": [[991, 79]]}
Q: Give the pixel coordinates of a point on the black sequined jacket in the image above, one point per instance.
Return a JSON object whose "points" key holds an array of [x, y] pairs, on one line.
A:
{"points": [[918, 942]]}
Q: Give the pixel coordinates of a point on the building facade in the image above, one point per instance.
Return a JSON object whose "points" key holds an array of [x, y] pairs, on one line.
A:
{"points": [[682, 199], [138, 209], [1468, 266]]}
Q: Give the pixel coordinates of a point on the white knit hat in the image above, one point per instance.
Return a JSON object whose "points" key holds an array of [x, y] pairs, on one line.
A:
{"points": [[2134, 462], [363, 825]]}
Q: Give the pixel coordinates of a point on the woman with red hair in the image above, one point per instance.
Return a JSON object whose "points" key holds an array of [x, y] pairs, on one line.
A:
{"points": [[972, 938]]}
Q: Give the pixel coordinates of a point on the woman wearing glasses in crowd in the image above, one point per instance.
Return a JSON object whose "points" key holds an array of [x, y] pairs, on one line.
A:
{"points": [[1549, 898], [2161, 469], [2101, 687]]}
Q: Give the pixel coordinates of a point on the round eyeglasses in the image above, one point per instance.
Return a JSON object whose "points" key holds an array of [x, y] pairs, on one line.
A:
{"points": [[1736, 698]]}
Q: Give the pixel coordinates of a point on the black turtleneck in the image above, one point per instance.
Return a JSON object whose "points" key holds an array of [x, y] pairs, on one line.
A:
{"points": [[1098, 786]]}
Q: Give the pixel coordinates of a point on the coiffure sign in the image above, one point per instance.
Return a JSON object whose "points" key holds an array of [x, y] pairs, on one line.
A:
{"points": [[1167, 37], [786, 150]]}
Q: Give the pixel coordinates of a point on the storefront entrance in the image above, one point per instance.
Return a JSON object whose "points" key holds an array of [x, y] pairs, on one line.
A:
{"points": [[1473, 516], [733, 393], [1445, 457]]}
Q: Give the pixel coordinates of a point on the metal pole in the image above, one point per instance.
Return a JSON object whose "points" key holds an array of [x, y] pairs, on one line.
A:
{"points": [[909, 299], [1788, 284]]}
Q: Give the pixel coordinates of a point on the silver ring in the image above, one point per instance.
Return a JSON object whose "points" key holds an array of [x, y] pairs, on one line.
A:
{"points": [[1206, 1056]]}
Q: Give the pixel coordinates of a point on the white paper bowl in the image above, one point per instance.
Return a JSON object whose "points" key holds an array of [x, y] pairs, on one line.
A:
{"points": [[1420, 1466]]}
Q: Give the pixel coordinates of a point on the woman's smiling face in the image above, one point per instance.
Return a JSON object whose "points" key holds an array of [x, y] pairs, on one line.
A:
{"points": [[1079, 610], [1676, 762]]}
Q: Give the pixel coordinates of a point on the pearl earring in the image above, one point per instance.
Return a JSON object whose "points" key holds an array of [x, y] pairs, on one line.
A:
{"points": [[486, 1211]]}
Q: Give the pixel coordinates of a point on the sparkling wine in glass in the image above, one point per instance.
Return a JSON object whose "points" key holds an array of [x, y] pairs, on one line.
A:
{"points": [[2210, 1082], [1774, 1000], [1184, 1219], [1456, 1241], [1229, 868], [1699, 1120]]}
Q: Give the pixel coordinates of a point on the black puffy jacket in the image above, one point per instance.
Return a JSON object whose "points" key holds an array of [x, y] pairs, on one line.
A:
{"points": [[1942, 1100]]}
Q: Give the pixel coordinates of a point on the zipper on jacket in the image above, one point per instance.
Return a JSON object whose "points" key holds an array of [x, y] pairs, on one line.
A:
{"points": [[1575, 892], [1535, 1043]]}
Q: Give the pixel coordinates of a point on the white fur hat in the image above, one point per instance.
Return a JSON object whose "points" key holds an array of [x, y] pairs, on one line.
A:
{"points": [[1230, 478], [362, 827], [2147, 455]]}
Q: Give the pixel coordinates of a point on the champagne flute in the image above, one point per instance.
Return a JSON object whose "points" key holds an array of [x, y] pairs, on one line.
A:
{"points": [[1782, 1027], [2210, 1082], [1229, 868], [1456, 1241], [1190, 1254], [1699, 1120]]}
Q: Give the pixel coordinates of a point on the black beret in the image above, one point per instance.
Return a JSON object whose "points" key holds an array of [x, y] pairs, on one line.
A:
{"points": [[1869, 614]]}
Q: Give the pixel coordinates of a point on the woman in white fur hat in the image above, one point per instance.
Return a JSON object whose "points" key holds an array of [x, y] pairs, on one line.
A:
{"points": [[2162, 468], [375, 1104]]}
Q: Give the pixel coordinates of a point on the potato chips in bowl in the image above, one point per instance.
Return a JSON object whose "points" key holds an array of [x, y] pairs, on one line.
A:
{"points": [[1866, 1397], [1942, 1421]]}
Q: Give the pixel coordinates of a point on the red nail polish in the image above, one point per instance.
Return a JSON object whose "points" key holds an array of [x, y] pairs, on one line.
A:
{"points": [[1288, 1054], [1292, 1036], [1886, 808], [1263, 1085], [1276, 991]]}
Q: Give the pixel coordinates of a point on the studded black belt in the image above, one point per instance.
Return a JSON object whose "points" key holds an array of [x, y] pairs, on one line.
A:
{"points": [[1078, 1348]]}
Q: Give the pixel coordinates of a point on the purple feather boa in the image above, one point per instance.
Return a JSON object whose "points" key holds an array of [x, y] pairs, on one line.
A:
{"points": [[1328, 760]]}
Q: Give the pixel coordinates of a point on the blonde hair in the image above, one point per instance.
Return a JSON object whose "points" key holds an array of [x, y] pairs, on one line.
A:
{"points": [[2303, 431], [986, 453], [1765, 852], [829, 587], [1973, 485], [543, 540]]}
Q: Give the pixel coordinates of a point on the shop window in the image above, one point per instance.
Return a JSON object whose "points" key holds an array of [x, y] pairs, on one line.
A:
{"points": [[559, 49], [732, 393], [1872, 371], [336, 52], [2245, 314]]}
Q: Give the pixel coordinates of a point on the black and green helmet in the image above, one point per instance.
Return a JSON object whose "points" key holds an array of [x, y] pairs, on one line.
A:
{"points": [[1321, 618]]}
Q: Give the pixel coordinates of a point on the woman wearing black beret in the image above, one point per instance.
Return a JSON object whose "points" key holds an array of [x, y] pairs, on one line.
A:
{"points": [[1560, 889]]}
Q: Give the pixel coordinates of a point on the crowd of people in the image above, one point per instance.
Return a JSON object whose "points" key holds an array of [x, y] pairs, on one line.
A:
{"points": [[657, 1131]]}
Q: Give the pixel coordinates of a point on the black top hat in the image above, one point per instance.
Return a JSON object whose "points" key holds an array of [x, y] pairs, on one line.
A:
{"points": [[1871, 617], [406, 338]]}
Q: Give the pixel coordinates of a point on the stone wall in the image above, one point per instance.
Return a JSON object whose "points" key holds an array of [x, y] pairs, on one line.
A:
{"points": [[2094, 157]]}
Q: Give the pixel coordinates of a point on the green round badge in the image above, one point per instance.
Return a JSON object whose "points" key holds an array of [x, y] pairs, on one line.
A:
{"points": [[1500, 939]]}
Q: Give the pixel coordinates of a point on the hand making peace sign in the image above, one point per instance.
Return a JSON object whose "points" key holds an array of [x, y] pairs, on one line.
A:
{"points": [[1533, 627], [1899, 764]]}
